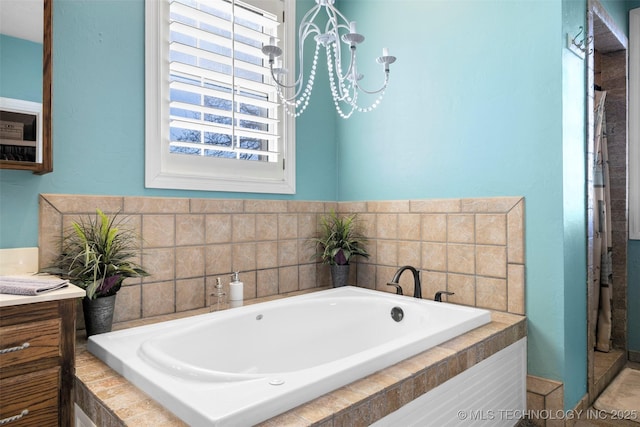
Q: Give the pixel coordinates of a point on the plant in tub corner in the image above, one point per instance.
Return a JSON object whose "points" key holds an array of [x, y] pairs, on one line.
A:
{"points": [[97, 255], [338, 241]]}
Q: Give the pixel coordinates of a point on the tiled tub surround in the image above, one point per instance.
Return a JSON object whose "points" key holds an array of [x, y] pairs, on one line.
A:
{"points": [[473, 247], [110, 400]]}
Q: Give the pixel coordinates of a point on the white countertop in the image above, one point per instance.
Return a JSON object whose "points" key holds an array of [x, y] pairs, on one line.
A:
{"points": [[70, 291]]}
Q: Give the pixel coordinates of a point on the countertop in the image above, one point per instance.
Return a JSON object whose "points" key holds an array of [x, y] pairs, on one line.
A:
{"points": [[71, 291]]}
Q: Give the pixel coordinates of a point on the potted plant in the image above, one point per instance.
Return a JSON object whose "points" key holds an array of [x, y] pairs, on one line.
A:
{"points": [[338, 241], [96, 255]]}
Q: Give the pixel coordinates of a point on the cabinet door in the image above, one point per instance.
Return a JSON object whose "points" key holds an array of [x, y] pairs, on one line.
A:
{"points": [[30, 399]]}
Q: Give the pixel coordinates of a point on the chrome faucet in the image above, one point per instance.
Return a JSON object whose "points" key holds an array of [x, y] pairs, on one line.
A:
{"points": [[417, 288]]}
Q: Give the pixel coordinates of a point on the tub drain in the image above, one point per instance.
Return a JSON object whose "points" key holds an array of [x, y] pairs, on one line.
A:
{"points": [[276, 381], [397, 314]]}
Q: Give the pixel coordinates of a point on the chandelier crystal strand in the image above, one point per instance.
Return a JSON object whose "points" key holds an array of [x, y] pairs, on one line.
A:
{"points": [[345, 88]]}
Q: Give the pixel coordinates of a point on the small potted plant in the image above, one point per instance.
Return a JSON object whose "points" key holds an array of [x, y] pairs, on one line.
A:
{"points": [[338, 241], [97, 255]]}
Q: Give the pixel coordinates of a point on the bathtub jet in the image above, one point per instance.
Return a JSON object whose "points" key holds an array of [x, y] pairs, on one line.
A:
{"points": [[248, 364]]}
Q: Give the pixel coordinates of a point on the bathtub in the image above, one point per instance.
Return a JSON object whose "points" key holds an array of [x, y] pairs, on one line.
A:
{"points": [[248, 364]]}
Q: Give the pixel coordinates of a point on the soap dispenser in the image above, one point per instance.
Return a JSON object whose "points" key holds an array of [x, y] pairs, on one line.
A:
{"points": [[218, 300], [236, 290]]}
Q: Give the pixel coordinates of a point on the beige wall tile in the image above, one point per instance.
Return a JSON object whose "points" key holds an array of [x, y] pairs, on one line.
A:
{"points": [[433, 282], [491, 229], [491, 261], [244, 257], [409, 226], [409, 253], [366, 276], [387, 252], [267, 282], [265, 206], [307, 279], [489, 204], [461, 258], [158, 231], [159, 263], [515, 288], [434, 256], [515, 233], [243, 227], [65, 203], [434, 228], [158, 298], [273, 233], [50, 233], [388, 206], [190, 294], [383, 276], [367, 225], [463, 287], [266, 255], [190, 261], [436, 206], [151, 205], [218, 260], [460, 228], [491, 293], [128, 303], [287, 226], [190, 229], [387, 226], [248, 279], [307, 225], [218, 228], [267, 227], [304, 206], [306, 252], [287, 252], [288, 279], [216, 206]]}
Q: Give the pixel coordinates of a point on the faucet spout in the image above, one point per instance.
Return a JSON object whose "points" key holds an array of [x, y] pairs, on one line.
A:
{"points": [[417, 287]]}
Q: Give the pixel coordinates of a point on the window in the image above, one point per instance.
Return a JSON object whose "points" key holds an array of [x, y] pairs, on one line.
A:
{"points": [[213, 121]]}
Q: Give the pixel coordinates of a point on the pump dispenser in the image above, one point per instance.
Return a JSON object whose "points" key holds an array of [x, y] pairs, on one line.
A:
{"points": [[218, 298], [236, 290]]}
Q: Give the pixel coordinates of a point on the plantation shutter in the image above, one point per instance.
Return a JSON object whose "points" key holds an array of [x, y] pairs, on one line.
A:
{"points": [[221, 101]]}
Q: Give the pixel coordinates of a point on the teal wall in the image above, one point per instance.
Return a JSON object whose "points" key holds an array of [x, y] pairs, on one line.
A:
{"points": [[487, 110], [20, 69], [98, 121], [473, 110]]}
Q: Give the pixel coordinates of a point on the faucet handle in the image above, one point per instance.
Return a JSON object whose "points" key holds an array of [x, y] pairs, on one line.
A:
{"points": [[439, 294], [398, 287]]}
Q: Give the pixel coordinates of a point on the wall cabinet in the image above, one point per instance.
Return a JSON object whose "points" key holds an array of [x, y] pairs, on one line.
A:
{"points": [[37, 346]]}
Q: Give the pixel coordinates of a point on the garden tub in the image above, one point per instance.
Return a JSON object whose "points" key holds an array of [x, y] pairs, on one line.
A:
{"points": [[248, 364]]}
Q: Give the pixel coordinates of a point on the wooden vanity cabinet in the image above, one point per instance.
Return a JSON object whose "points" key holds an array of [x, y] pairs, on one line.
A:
{"points": [[37, 345]]}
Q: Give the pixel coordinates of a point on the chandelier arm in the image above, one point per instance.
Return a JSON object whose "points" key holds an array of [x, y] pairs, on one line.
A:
{"points": [[373, 92]]}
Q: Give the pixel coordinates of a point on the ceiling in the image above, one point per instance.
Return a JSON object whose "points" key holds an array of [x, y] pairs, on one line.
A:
{"points": [[22, 19]]}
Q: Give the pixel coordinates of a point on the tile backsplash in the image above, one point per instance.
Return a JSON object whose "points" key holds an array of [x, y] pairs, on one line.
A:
{"points": [[473, 247]]}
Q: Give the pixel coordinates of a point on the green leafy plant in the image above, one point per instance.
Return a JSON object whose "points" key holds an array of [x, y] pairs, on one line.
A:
{"points": [[97, 255], [339, 239]]}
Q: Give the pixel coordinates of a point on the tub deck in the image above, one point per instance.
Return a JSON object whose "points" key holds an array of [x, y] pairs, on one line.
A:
{"points": [[110, 400]]}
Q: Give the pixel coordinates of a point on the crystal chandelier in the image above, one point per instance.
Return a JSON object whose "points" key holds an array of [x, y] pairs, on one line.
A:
{"points": [[345, 86]]}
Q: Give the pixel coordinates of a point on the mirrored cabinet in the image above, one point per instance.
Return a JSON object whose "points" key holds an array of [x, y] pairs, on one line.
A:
{"points": [[25, 87]]}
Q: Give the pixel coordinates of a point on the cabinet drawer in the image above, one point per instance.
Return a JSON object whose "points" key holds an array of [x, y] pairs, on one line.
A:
{"points": [[28, 342], [36, 393]]}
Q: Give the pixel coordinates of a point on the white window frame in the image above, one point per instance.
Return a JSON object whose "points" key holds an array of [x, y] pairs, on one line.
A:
{"points": [[175, 171], [634, 124]]}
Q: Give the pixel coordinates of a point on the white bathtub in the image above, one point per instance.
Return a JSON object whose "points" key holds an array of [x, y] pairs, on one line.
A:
{"points": [[248, 364]]}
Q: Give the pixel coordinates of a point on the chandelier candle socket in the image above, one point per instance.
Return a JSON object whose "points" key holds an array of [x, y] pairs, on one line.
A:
{"points": [[345, 86]]}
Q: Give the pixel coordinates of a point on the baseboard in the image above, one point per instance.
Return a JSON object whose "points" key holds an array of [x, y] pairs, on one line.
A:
{"points": [[634, 356]]}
